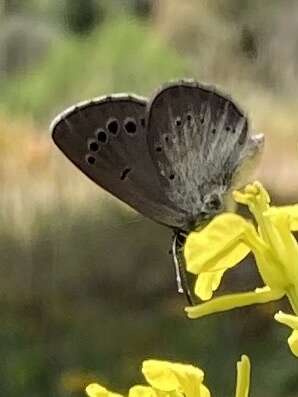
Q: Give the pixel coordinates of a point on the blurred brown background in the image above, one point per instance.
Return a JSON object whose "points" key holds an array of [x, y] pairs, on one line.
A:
{"points": [[87, 289]]}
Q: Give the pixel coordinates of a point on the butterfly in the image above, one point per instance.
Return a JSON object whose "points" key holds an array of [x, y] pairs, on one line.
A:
{"points": [[174, 158]]}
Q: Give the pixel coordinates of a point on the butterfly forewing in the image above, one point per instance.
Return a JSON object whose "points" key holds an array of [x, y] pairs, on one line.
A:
{"points": [[106, 139]]}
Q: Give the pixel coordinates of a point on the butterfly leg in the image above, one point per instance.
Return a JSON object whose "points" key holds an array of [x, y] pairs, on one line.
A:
{"points": [[179, 264]]}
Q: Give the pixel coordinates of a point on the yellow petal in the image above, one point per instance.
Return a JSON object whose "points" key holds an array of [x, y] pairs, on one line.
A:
{"points": [[253, 195], [288, 319], [293, 342], [142, 391], [291, 211], [96, 390], [218, 246], [207, 283], [232, 301], [167, 376], [204, 391], [291, 321], [243, 377]]}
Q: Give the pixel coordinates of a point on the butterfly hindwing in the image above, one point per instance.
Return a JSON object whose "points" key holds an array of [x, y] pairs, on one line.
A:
{"points": [[106, 139], [197, 139]]}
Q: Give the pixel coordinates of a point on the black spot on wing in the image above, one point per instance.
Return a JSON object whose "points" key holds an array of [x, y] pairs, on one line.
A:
{"points": [[130, 125], [113, 126], [93, 146], [125, 173], [101, 135], [90, 159]]}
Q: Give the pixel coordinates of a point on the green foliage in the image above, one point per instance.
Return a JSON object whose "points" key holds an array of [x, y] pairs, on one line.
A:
{"points": [[81, 16], [121, 56]]}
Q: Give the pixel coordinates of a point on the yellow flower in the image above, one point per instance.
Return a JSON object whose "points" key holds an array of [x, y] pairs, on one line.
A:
{"points": [[292, 322], [243, 377], [229, 238], [95, 390], [167, 379], [174, 377], [145, 391]]}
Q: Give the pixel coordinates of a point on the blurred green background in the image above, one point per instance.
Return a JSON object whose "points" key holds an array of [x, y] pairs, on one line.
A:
{"points": [[87, 289]]}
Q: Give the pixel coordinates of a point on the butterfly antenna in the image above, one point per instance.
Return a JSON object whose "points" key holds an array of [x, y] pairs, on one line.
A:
{"points": [[179, 264]]}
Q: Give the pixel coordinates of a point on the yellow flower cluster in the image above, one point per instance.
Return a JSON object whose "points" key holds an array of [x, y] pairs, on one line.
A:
{"points": [[167, 379], [228, 239]]}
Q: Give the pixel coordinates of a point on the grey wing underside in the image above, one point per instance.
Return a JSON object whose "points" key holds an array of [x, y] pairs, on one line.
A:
{"points": [[106, 139], [198, 140]]}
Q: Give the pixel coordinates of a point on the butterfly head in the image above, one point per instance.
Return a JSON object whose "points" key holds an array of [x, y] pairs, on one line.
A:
{"points": [[211, 204]]}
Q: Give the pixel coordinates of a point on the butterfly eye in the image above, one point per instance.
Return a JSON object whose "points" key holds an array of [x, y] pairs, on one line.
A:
{"points": [[189, 117], [113, 126], [213, 131], [172, 176], [158, 149], [214, 202], [130, 126], [142, 121], [90, 159], [228, 129], [102, 136]]}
